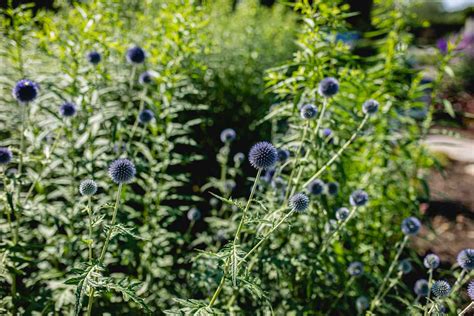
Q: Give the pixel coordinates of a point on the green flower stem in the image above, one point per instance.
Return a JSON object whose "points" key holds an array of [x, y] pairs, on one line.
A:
{"points": [[377, 298], [308, 152], [430, 281], [295, 162], [327, 242], [236, 239], [466, 309], [458, 282], [338, 153], [140, 109], [106, 243], [390, 286], [89, 212], [224, 165]]}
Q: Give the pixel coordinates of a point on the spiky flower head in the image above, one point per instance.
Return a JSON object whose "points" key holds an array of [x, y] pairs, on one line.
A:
{"points": [[122, 171], [239, 158], [67, 109], [5, 155], [362, 303], [421, 288], [332, 188], [145, 78], [466, 259], [88, 187], [228, 135], [411, 226], [308, 111], [405, 266], [299, 202], [94, 57], [316, 187], [328, 87], [431, 261], [470, 290], [263, 155], [370, 107], [25, 91], [342, 213], [355, 268], [194, 214], [359, 198], [136, 55], [441, 288], [283, 155], [146, 116]]}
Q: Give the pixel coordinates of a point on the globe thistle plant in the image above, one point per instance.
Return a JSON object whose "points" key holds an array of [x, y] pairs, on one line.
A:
{"points": [[370, 107], [327, 132], [359, 198], [332, 188], [355, 269], [299, 202], [6, 156], [342, 213], [122, 171], [145, 78], [25, 91], [421, 288], [283, 155], [194, 214], [94, 57], [405, 266], [239, 158], [362, 303], [88, 187], [308, 111], [411, 226], [431, 261], [316, 187], [470, 290], [465, 259], [328, 87], [228, 135], [441, 289], [136, 55], [263, 155], [146, 116], [67, 109]]}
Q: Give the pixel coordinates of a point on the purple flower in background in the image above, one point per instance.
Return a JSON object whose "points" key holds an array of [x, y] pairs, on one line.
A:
{"points": [[442, 45]]}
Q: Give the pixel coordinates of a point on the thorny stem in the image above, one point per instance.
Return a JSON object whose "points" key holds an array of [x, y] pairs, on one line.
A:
{"points": [[236, 239], [295, 162], [338, 153], [430, 280], [89, 212], [376, 300]]}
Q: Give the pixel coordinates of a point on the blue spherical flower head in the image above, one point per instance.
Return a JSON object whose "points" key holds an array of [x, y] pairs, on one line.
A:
{"points": [[355, 268], [370, 107], [299, 202], [94, 57], [405, 266], [228, 135], [263, 155], [67, 109], [239, 158], [470, 290], [359, 198], [278, 183], [308, 111], [441, 288], [431, 261], [146, 116], [332, 188], [122, 171], [466, 259], [283, 155], [316, 187], [342, 213], [421, 288], [136, 55], [411, 226], [88, 187], [269, 173], [5, 155], [145, 78], [362, 303], [328, 87], [194, 214], [327, 132], [25, 91]]}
